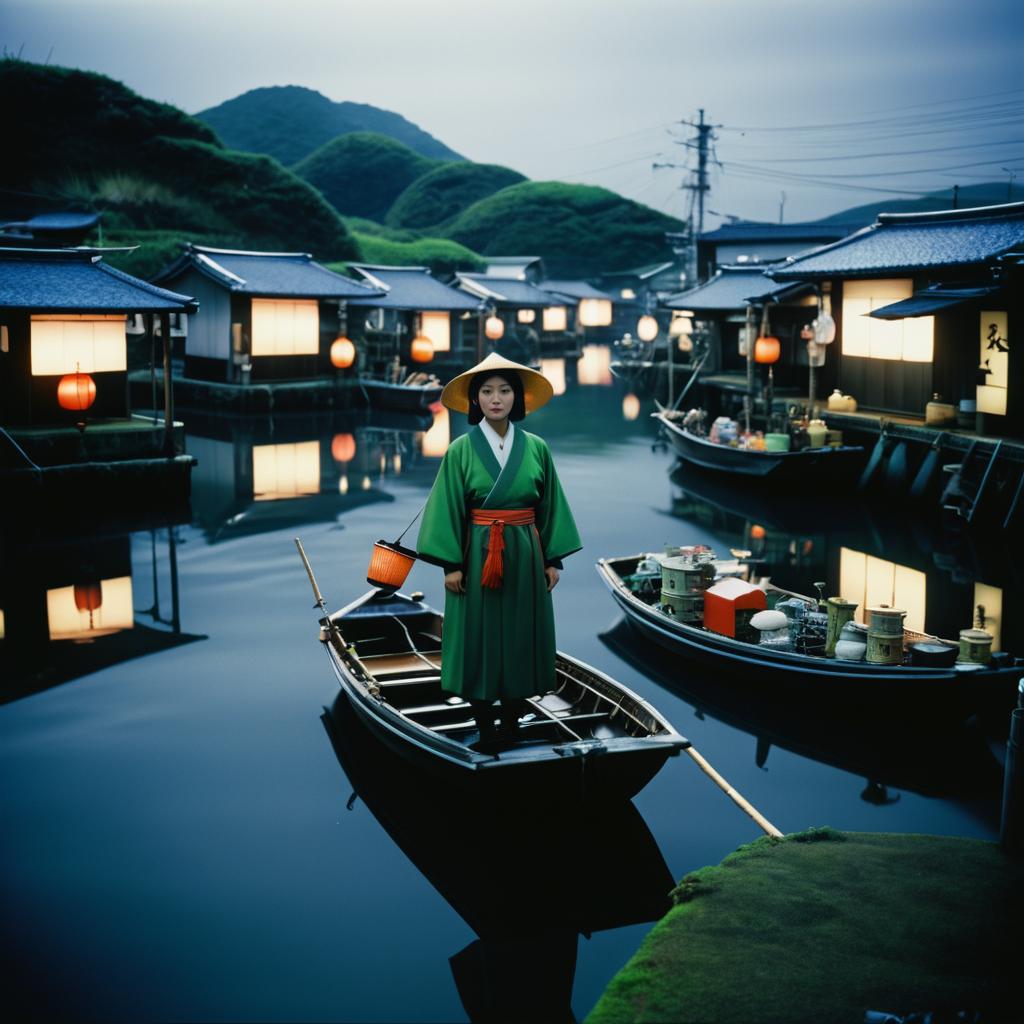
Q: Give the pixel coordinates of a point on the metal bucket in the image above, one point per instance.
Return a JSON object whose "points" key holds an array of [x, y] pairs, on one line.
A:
{"points": [[975, 646], [885, 636], [685, 607]]}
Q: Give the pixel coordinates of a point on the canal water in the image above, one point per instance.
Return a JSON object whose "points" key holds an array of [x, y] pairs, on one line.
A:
{"points": [[183, 839]]}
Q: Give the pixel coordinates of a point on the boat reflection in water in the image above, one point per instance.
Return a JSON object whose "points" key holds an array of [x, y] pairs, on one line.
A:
{"points": [[69, 607], [527, 881], [936, 756]]}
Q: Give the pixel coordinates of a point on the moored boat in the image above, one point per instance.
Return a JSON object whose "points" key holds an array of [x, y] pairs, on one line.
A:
{"points": [[385, 650], [807, 466], [405, 397], [963, 685]]}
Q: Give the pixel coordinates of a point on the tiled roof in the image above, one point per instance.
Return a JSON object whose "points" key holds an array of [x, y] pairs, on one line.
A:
{"points": [[503, 291], [285, 274], [574, 290], [514, 267], [757, 231], [65, 221], [77, 280], [411, 288], [905, 242], [641, 273], [731, 288]]}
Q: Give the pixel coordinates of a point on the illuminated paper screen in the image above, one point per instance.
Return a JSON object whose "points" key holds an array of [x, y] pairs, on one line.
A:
{"points": [[90, 344]]}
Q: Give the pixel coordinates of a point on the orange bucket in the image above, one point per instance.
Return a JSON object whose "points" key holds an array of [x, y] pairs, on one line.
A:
{"points": [[389, 565]]}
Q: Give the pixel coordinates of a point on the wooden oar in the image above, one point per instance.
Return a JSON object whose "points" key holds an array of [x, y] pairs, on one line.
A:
{"points": [[737, 798]]}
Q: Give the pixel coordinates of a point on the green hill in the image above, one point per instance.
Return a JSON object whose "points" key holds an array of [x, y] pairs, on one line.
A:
{"points": [[289, 122], [83, 140], [990, 193], [578, 229], [361, 174], [443, 193]]}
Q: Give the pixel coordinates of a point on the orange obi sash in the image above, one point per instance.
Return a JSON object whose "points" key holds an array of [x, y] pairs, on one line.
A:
{"points": [[497, 519]]}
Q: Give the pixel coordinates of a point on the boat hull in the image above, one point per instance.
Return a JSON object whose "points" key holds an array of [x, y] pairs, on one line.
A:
{"points": [[400, 397], [808, 467]]}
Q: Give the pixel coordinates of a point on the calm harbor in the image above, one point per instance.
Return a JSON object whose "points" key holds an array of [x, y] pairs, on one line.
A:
{"points": [[184, 841]]}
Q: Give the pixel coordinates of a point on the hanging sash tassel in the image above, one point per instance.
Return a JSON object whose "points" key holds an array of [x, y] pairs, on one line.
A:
{"points": [[497, 520]]}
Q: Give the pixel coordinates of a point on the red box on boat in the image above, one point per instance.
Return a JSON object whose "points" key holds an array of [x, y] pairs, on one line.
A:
{"points": [[729, 604]]}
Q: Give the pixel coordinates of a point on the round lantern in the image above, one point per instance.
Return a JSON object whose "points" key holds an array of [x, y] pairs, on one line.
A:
{"points": [[76, 391], [647, 328], [343, 448], [680, 325], [422, 349], [630, 407], [767, 349], [824, 328], [757, 532], [685, 343], [343, 352], [494, 327]]}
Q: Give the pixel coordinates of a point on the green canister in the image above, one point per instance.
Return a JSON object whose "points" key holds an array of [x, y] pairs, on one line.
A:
{"points": [[840, 612], [975, 646], [683, 582], [885, 635]]}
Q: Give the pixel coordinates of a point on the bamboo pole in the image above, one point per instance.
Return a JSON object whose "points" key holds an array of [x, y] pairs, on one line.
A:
{"points": [[737, 798]]}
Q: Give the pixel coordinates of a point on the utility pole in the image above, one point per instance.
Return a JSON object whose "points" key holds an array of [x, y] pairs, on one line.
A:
{"points": [[698, 186]]}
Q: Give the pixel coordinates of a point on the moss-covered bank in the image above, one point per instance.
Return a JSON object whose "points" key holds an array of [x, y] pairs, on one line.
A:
{"points": [[823, 925]]}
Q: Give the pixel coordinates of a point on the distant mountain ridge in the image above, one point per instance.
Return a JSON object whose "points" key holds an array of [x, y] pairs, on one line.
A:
{"points": [[289, 122], [988, 193]]}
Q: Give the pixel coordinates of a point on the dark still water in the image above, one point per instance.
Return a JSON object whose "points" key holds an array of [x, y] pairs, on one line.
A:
{"points": [[179, 838]]}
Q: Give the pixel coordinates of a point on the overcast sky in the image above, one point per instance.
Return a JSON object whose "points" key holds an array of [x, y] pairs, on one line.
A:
{"points": [[595, 91]]}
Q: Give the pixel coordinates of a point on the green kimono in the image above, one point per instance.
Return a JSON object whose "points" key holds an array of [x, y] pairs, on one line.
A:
{"points": [[498, 642]]}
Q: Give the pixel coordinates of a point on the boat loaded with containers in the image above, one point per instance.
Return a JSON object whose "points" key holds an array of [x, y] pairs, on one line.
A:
{"points": [[798, 451], [385, 649], [691, 603]]}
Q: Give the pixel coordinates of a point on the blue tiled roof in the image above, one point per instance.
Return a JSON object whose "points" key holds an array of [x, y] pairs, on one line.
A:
{"points": [[931, 300], [65, 221], [575, 290], [731, 288], [905, 242], [285, 274], [77, 280], [503, 291], [412, 288], [640, 273], [757, 231]]}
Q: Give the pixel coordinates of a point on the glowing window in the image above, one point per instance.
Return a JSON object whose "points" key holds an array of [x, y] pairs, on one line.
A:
{"points": [[595, 312], [555, 318], [909, 340], [92, 344], [285, 328], [90, 610], [438, 328], [873, 581]]}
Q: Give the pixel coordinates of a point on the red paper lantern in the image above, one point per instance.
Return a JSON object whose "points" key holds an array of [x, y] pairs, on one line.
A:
{"points": [[88, 596], [343, 448], [422, 350], [76, 391], [758, 532], [343, 352], [767, 349]]}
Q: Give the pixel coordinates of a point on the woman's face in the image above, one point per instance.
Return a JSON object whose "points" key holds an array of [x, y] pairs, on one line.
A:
{"points": [[496, 397]]}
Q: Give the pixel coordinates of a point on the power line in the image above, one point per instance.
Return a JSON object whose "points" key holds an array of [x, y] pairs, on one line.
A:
{"points": [[891, 153]]}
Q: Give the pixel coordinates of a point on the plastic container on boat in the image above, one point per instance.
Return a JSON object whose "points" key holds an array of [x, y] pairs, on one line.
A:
{"points": [[816, 434], [852, 644], [729, 606], [975, 646], [776, 442], [885, 635]]}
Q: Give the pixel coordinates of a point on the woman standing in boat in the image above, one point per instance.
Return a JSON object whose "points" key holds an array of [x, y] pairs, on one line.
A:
{"points": [[498, 523]]}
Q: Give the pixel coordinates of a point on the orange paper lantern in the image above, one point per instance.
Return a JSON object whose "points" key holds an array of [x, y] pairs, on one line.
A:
{"points": [[494, 327], [767, 349], [76, 391], [343, 352], [422, 350], [343, 448], [758, 532]]}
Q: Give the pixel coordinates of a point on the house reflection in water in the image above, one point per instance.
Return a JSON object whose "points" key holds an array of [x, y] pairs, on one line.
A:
{"points": [[69, 607], [594, 367]]}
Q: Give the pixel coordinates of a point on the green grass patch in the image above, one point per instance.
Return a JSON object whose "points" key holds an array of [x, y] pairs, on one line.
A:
{"points": [[441, 255], [821, 926]]}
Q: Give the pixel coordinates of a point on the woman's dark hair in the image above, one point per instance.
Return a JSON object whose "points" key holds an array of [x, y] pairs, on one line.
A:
{"points": [[515, 382]]}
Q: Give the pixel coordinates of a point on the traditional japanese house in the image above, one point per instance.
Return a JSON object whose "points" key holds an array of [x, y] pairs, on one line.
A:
{"points": [[589, 310], [409, 305], [924, 305], [516, 268], [641, 290], [721, 314], [64, 398], [267, 316]]}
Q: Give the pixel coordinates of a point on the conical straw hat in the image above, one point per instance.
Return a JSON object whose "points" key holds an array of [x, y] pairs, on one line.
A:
{"points": [[537, 389]]}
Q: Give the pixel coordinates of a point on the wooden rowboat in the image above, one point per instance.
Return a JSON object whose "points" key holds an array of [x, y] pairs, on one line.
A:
{"points": [[969, 687], [386, 653], [807, 467]]}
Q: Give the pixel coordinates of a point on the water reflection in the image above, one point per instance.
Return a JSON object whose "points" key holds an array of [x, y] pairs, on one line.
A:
{"points": [[528, 882], [860, 551], [68, 607]]}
